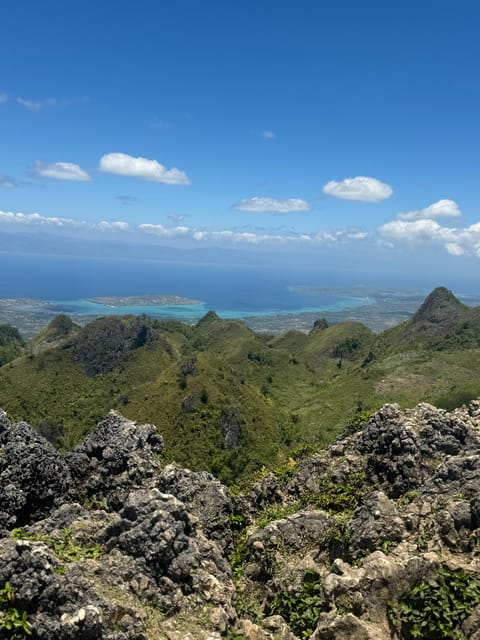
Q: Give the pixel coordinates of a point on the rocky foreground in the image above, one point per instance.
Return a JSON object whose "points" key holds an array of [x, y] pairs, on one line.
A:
{"points": [[376, 537]]}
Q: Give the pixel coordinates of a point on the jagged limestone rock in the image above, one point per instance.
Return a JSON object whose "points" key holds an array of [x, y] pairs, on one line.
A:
{"points": [[113, 546]]}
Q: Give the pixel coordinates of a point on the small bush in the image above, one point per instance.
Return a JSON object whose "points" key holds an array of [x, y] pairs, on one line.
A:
{"points": [[301, 608], [14, 624], [436, 608]]}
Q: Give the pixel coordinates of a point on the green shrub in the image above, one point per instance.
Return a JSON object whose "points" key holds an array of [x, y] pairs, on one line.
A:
{"points": [[436, 608], [14, 624], [301, 608]]}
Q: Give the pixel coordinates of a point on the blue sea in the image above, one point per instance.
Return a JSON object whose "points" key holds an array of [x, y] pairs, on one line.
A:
{"points": [[232, 291]]}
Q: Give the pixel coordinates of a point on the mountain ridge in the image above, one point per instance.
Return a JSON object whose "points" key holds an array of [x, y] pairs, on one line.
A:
{"points": [[287, 392]]}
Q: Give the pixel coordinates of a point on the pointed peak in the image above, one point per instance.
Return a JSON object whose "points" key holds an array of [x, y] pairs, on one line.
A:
{"points": [[442, 294], [61, 325], [209, 318], [319, 325], [438, 305]]}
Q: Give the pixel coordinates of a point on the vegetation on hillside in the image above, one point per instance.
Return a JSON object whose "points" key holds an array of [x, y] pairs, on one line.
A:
{"points": [[227, 399], [11, 343]]}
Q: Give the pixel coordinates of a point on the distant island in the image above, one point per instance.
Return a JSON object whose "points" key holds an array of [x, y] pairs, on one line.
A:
{"points": [[159, 300]]}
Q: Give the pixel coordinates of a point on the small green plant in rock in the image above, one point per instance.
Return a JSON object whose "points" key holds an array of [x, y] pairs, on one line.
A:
{"points": [[357, 421], [335, 539], [285, 471], [68, 550], [64, 547], [277, 512], [387, 545], [424, 536], [341, 497], [407, 498], [301, 608], [436, 608], [14, 624], [238, 558]]}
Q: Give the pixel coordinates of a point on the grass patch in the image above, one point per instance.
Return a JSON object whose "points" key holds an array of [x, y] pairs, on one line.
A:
{"points": [[64, 546]]}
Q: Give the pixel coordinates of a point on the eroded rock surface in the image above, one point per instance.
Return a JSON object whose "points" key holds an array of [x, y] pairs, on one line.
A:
{"points": [[106, 543]]}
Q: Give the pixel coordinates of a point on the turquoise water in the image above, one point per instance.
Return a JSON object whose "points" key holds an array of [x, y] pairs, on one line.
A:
{"points": [[232, 291], [197, 310]]}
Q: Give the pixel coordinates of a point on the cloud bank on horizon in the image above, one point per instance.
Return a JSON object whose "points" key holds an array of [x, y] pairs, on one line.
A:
{"points": [[270, 205], [418, 228]]}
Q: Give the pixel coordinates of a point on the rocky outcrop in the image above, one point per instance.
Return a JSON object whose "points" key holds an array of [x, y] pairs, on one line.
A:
{"points": [[107, 543], [34, 477]]}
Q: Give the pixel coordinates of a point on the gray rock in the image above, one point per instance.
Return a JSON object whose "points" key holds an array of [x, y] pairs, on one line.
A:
{"points": [[204, 496], [118, 456], [34, 477], [376, 523]]}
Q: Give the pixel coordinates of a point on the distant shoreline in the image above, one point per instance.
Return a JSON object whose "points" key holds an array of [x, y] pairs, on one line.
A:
{"points": [[378, 309], [154, 300]]}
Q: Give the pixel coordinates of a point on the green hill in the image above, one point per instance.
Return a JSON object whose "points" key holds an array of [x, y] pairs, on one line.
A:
{"points": [[229, 400], [11, 343]]}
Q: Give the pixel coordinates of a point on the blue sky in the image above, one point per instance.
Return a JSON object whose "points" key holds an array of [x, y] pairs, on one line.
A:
{"points": [[349, 127]]}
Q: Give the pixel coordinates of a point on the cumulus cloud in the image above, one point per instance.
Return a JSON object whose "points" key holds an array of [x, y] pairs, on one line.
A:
{"points": [[37, 105], [415, 230], [143, 168], [440, 209], [269, 205], [457, 241], [3, 98], [60, 171], [359, 188], [269, 135]]}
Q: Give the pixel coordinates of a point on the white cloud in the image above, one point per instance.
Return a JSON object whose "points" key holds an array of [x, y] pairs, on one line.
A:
{"points": [[37, 220], [416, 230], [151, 170], [191, 235], [60, 171], [3, 98], [359, 188], [269, 135], [442, 208], [272, 205], [457, 241], [250, 238], [110, 226], [37, 105]]}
